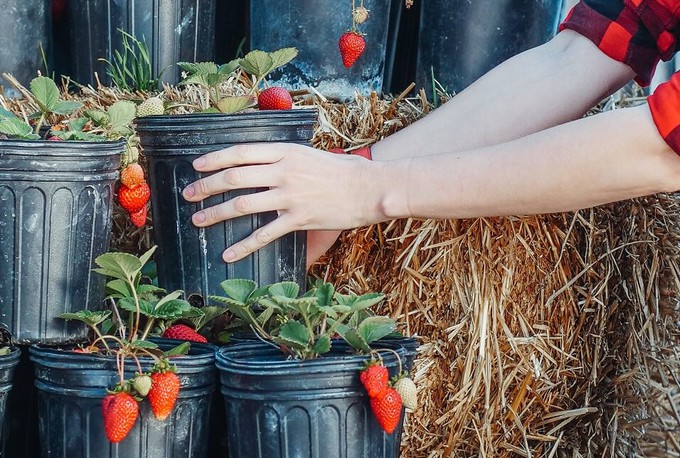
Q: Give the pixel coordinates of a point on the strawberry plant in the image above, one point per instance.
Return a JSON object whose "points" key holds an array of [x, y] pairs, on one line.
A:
{"points": [[255, 65], [306, 325], [123, 330]]}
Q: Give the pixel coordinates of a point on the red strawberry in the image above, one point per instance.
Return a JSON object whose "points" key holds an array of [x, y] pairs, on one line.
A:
{"points": [[138, 218], [351, 45], [133, 199], [387, 409], [120, 414], [132, 175], [54, 138], [183, 332], [164, 391], [275, 98], [374, 378]]}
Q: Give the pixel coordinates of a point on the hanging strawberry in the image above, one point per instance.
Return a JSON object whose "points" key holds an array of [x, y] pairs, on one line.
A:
{"points": [[352, 42]]}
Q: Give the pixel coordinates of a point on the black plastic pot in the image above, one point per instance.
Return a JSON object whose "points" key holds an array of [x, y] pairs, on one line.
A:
{"points": [[8, 364], [174, 31], [25, 26], [189, 258], [460, 40], [71, 387], [281, 407], [55, 219], [21, 425], [314, 27]]}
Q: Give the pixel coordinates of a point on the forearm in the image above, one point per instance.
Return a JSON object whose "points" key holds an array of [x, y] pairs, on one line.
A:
{"points": [[604, 158], [540, 88]]}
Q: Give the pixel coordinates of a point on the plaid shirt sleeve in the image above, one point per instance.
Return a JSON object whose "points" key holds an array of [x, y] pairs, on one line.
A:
{"points": [[638, 33]]}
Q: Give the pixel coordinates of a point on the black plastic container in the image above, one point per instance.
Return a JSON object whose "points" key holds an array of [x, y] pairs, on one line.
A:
{"points": [[460, 40], [281, 407], [189, 258], [21, 425], [8, 363], [174, 31], [314, 27], [25, 26], [55, 219], [71, 387]]}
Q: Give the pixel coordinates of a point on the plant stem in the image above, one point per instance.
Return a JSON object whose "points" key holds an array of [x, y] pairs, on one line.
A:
{"points": [[39, 123], [147, 329]]}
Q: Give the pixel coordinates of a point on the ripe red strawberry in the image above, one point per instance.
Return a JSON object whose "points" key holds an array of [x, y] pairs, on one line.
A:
{"points": [[275, 98], [133, 199], [138, 218], [387, 409], [54, 138], [132, 175], [183, 332], [120, 414], [374, 378], [351, 46], [164, 391]]}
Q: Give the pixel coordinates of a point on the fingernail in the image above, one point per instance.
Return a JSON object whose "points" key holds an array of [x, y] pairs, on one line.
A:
{"points": [[189, 191], [198, 163], [229, 255], [199, 217]]}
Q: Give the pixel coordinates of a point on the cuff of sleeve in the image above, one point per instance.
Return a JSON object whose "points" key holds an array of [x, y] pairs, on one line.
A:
{"points": [[620, 34], [364, 151], [664, 104]]}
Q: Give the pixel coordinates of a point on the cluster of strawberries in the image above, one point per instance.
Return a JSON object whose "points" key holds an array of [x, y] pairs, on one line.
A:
{"points": [[134, 193], [387, 398], [121, 406]]}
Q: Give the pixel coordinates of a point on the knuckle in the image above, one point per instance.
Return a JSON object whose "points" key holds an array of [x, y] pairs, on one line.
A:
{"points": [[232, 176], [263, 237], [242, 204], [243, 152], [211, 214]]}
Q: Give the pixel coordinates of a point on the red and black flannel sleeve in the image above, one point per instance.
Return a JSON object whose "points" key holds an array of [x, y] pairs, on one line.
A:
{"points": [[638, 33]]}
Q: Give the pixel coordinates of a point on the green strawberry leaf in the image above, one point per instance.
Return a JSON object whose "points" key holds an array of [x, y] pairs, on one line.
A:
{"points": [[230, 105], [376, 327], [239, 289], [359, 302], [143, 344], [90, 317], [15, 127], [287, 289], [257, 63], [144, 258], [170, 309], [121, 115], [65, 107], [118, 265], [179, 350], [295, 334], [145, 307], [357, 342], [198, 68], [78, 135], [230, 67], [45, 92], [282, 56], [119, 286], [98, 117], [322, 345]]}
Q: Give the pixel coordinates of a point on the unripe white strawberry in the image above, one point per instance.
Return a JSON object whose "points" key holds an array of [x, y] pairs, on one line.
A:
{"points": [[142, 384], [150, 107], [408, 392], [360, 14]]}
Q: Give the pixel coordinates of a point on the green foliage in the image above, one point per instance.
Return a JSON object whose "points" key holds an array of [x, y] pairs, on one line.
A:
{"points": [[134, 303], [132, 69], [304, 325], [46, 95], [210, 76]]}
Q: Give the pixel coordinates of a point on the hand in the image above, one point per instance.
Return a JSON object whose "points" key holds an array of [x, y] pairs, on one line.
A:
{"points": [[308, 188]]}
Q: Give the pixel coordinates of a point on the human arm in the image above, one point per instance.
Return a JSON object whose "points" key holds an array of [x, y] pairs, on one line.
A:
{"points": [[608, 157]]}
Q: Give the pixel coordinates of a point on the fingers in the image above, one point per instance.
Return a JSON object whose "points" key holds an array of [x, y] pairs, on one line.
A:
{"points": [[246, 154], [246, 177], [247, 204], [258, 239]]}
